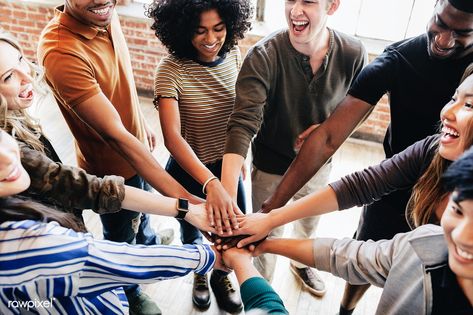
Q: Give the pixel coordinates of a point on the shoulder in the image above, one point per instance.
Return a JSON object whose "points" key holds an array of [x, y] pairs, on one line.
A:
{"points": [[32, 228], [428, 242], [407, 49], [348, 47], [277, 41]]}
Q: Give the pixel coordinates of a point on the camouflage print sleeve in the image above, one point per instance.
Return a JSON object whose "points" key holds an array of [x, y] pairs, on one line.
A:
{"points": [[69, 187]]}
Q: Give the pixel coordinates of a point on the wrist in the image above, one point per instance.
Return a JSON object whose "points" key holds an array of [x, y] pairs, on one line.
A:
{"points": [[207, 183]]}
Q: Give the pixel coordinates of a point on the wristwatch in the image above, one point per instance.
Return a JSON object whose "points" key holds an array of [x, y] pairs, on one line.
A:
{"points": [[182, 208]]}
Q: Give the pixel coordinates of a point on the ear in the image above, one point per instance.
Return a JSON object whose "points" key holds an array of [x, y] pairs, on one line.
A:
{"points": [[333, 7]]}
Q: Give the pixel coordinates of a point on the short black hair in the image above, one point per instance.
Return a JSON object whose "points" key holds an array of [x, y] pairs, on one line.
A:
{"points": [[175, 22], [459, 177]]}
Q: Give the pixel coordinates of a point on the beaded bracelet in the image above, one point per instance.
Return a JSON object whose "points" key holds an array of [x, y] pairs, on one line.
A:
{"points": [[204, 186]]}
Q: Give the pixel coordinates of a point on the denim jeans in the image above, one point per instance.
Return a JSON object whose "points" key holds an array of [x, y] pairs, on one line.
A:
{"points": [[129, 226], [190, 234]]}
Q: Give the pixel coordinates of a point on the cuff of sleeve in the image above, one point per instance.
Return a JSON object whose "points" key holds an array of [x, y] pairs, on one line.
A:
{"points": [[237, 143], [207, 259], [322, 249], [252, 286]]}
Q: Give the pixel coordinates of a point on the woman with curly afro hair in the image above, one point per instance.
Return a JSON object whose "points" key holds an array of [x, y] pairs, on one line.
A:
{"points": [[195, 93]]}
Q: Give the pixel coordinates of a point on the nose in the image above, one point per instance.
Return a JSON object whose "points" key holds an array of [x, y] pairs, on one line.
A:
{"points": [[449, 111], [211, 37], [445, 40], [296, 9], [24, 75]]}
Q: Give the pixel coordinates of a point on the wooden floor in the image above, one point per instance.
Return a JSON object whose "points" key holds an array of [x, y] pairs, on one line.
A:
{"points": [[174, 296]]}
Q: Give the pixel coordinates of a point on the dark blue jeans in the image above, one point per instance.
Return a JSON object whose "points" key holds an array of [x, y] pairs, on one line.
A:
{"points": [[190, 234], [129, 226]]}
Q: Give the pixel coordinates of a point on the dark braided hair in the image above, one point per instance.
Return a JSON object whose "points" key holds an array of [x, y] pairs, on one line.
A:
{"points": [[176, 21]]}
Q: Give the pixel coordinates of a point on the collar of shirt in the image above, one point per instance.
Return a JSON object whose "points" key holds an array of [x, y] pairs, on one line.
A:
{"points": [[76, 26], [304, 60]]}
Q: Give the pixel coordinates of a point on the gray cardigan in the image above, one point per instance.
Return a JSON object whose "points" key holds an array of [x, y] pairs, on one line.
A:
{"points": [[398, 265]]}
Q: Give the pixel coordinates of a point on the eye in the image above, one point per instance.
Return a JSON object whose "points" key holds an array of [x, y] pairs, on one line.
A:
{"points": [[199, 31], [219, 29], [456, 210], [8, 77]]}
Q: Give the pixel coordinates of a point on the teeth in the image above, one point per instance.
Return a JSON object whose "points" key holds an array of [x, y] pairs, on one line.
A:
{"points": [[101, 11], [210, 46], [464, 254], [300, 23], [450, 131], [26, 91]]}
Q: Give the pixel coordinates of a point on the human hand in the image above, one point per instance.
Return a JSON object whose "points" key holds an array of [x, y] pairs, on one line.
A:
{"points": [[151, 136], [219, 263], [222, 209], [198, 217], [253, 227], [237, 257], [302, 136]]}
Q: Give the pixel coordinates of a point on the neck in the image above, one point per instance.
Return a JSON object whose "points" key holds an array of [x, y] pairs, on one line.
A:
{"points": [[467, 287], [317, 46]]}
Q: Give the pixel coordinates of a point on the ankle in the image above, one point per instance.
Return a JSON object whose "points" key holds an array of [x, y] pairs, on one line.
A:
{"points": [[345, 311]]}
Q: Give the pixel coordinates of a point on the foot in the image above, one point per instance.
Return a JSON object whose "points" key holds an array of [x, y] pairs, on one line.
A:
{"points": [[228, 299], [142, 304], [311, 281], [200, 292], [165, 236]]}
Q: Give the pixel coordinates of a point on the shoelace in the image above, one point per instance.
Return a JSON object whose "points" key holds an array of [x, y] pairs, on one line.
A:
{"points": [[200, 282], [228, 284]]}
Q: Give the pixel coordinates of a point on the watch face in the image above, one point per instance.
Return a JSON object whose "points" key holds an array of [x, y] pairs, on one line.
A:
{"points": [[183, 204]]}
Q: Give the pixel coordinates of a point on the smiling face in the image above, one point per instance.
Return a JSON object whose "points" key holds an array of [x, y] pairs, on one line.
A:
{"points": [[307, 19], [210, 36], [450, 32], [15, 80], [457, 122], [91, 12], [13, 177], [457, 223]]}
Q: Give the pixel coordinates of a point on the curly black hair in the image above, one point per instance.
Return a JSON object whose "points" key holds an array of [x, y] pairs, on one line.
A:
{"points": [[176, 21]]}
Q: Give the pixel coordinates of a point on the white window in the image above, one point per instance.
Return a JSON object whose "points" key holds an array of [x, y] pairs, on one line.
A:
{"points": [[377, 19]]}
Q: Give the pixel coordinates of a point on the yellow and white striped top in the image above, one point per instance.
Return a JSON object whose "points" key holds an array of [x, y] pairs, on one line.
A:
{"points": [[206, 95]]}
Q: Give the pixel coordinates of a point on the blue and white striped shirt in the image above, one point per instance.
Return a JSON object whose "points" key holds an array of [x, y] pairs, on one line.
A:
{"points": [[49, 269]]}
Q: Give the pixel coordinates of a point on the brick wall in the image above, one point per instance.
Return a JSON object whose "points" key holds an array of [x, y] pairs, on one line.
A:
{"points": [[26, 20]]}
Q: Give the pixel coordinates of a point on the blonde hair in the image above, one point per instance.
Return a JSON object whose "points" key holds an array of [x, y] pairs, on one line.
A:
{"points": [[428, 192], [19, 122]]}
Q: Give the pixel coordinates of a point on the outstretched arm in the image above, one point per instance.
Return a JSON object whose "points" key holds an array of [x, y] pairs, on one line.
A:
{"points": [[103, 118], [318, 148]]}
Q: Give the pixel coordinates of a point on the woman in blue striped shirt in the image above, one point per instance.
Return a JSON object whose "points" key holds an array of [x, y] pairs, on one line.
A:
{"points": [[48, 265]]}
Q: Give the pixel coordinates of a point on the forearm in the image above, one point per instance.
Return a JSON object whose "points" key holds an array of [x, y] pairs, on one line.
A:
{"points": [[317, 149], [317, 203], [231, 168], [147, 167], [296, 249], [245, 270], [164, 262]]}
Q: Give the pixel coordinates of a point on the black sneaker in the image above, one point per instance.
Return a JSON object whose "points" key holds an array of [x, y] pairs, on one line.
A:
{"points": [[200, 292], [228, 299]]}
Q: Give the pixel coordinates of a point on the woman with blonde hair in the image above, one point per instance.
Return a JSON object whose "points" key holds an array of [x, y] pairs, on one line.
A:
{"points": [[67, 188]]}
